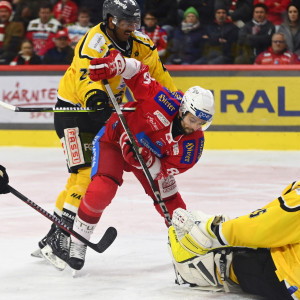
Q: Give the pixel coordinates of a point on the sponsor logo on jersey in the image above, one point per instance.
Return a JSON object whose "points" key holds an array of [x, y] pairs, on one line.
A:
{"points": [[176, 95], [161, 118], [169, 138], [96, 150], [159, 143], [73, 145], [189, 148], [169, 185], [97, 43], [200, 148], [88, 146], [152, 122], [144, 140], [175, 149], [166, 103]]}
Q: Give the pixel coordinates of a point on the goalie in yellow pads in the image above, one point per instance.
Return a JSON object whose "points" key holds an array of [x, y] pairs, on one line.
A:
{"points": [[258, 252]]}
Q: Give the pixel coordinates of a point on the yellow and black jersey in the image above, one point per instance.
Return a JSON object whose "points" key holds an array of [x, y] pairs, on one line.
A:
{"points": [[76, 83], [275, 226]]}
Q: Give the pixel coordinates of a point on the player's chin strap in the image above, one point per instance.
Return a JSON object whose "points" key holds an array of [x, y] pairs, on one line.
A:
{"points": [[137, 153]]}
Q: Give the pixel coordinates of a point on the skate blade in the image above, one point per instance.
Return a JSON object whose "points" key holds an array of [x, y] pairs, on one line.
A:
{"points": [[53, 259], [74, 273], [37, 253]]}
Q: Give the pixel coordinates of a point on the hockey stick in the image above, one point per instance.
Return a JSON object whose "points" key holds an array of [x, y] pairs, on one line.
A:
{"points": [[136, 150], [45, 109], [52, 109], [106, 240]]}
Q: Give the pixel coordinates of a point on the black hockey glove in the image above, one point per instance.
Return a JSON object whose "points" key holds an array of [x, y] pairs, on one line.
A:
{"points": [[3, 181], [98, 100]]}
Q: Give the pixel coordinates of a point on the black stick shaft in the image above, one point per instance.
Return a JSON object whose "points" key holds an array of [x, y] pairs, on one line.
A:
{"points": [[52, 109], [58, 222]]}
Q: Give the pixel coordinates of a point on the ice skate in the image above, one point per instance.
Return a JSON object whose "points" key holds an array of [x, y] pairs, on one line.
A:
{"points": [[43, 242], [77, 255], [56, 250]]}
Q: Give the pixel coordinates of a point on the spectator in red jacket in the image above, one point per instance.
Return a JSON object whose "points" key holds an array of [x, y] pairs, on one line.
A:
{"points": [[157, 34], [65, 11], [42, 30], [277, 54]]}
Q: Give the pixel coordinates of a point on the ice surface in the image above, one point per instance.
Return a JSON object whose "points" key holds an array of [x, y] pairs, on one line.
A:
{"points": [[137, 265]]}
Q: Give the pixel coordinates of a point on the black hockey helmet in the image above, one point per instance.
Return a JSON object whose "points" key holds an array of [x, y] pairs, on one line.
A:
{"points": [[127, 10]]}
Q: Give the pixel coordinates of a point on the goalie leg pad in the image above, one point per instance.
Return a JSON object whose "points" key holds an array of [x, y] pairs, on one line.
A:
{"points": [[193, 269]]}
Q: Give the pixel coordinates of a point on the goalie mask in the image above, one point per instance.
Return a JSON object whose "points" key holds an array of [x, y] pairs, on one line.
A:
{"points": [[126, 10], [199, 102]]}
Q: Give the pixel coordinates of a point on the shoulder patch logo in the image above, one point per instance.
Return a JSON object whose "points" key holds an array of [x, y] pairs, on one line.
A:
{"points": [[97, 43], [189, 148], [166, 103]]}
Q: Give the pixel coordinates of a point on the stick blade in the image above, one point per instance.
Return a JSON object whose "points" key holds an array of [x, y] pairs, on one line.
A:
{"points": [[107, 239]]}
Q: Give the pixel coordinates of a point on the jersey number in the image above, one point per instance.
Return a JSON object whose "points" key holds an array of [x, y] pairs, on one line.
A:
{"points": [[257, 212], [84, 72], [172, 171]]}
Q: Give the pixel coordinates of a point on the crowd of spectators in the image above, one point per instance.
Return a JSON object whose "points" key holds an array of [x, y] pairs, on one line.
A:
{"points": [[184, 31]]}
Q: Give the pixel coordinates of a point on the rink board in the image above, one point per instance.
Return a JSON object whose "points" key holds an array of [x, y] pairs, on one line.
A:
{"points": [[213, 139], [256, 107]]}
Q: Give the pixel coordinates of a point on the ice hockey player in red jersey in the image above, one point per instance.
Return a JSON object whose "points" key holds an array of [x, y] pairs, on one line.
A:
{"points": [[168, 127]]}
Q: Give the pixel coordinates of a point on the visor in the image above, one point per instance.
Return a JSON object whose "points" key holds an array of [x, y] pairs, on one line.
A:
{"points": [[133, 23]]}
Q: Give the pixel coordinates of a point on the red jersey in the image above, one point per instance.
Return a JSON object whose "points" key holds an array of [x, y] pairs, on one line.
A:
{"points": [[270, 58], [159, 38], [42, 35], [276, 9], [151, 124], [66, 13]]}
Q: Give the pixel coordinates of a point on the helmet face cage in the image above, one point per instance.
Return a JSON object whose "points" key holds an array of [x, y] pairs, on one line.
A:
{"points": [[122, 10], [200, 103]]}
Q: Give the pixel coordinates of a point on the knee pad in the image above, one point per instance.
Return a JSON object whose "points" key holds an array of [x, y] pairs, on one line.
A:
{"points": [[98, 196]]}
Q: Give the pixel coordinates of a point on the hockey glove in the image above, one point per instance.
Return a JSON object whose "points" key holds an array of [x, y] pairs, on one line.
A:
{"points": [[129, 154], [200, 230], [98, 100], [107, 67], [3, 181]]}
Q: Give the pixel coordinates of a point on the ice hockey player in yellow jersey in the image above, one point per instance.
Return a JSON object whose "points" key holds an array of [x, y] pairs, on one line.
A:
{"points": [[121, 19], [258, 252]]}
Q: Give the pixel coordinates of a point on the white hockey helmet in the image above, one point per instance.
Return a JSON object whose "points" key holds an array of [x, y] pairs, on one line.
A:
{"points": [[199, 102]]}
